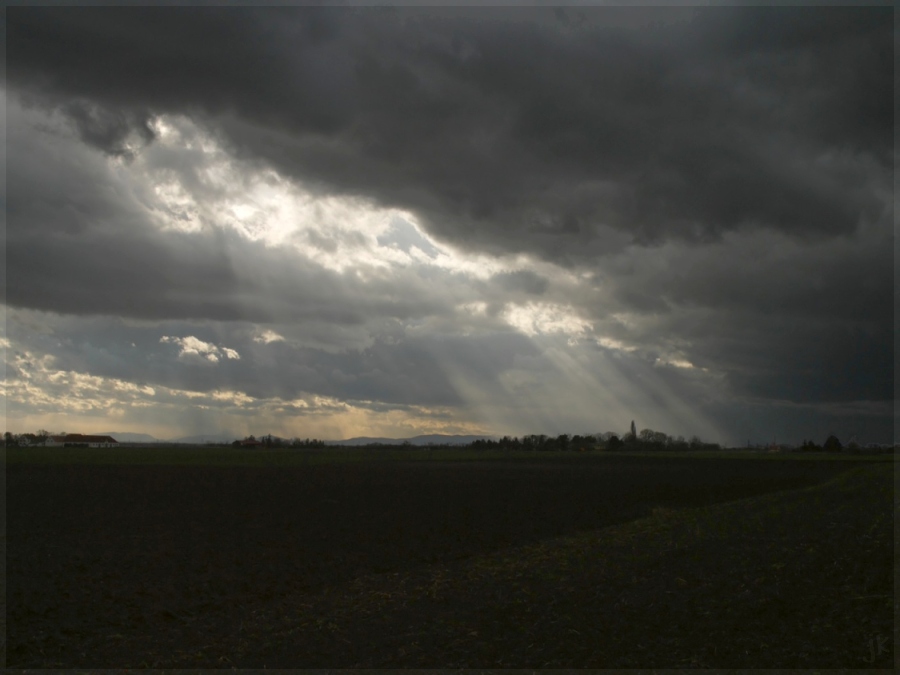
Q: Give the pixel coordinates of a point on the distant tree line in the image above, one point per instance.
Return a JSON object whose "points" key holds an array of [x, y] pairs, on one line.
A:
{"points": [[831, 444], [560, 443], [646, 439], [650, 440], [11, 440], [270, 441]]}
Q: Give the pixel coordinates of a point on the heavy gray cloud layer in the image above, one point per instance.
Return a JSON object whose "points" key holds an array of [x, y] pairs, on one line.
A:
{"points": [[664, 123], [713, 187]]}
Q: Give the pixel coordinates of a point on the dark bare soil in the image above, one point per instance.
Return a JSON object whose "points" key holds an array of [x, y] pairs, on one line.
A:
{"points": [[475, 564]]}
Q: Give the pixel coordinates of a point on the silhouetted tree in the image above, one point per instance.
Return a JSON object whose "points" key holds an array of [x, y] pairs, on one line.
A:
{"points": [[614, 443], [580, 442], [832, 444]]}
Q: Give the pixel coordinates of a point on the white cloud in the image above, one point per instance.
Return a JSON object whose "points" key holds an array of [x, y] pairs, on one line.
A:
{"points": [[673, 361], [192, 347], [268, 336], [43, 396], [612, 343], [541, 318]]}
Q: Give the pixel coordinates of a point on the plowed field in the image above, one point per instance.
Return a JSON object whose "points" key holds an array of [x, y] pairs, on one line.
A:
{"points": [[612, 562]]}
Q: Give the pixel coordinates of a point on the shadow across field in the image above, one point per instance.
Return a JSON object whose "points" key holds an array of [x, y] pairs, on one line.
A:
{"points": [[160, 566]]}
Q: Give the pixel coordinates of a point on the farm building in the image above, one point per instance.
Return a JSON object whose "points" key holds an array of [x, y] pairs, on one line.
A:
{"points": [[83, 441]]}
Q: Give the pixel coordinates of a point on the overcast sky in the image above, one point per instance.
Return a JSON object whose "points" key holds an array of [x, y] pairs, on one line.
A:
{"points": [[332, 222]]}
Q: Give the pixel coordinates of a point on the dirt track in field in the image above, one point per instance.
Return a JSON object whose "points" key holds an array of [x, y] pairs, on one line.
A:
{"points": [[122, 566]]}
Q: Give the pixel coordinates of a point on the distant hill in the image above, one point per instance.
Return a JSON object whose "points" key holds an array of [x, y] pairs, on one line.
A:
{"points": [[217, 437], [429, 439], [225, 437], [128, 437]]}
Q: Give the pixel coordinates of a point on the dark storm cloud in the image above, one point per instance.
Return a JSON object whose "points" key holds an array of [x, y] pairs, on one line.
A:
{"points": [[784, 320], [523, 281], [80, 241], [190, 276], [107, 130], [796, 359], [663, 123]]}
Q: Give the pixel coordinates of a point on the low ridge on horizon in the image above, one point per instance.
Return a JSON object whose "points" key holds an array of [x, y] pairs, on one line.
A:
{"points": [[421, 439]]}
